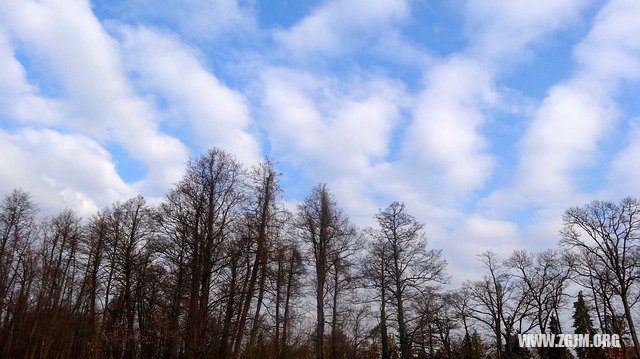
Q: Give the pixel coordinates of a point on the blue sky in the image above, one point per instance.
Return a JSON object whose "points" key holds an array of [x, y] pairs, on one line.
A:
{"points": [[488, 118]]}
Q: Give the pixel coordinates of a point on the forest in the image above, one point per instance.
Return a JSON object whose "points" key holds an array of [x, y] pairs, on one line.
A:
{"points": [[222, 269]]}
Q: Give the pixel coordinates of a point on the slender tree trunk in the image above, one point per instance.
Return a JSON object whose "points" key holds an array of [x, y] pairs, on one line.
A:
{"points": [[224, 340], [467, 337], [405, 345], [192, 323], [320, 311], [632, 329], [256, 316], [289, 290], [248, 297], [278, 303], [384, 337], [259, 263], [334, 312]]}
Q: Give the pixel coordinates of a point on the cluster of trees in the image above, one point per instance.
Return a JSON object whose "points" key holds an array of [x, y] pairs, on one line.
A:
{"points": [[221, 269]]}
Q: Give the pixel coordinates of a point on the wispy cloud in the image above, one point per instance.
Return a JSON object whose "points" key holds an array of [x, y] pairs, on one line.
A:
{"points": [[60, 170], [97, 97], [338, 26], [577, 113], [214, 113], [348, 93]]}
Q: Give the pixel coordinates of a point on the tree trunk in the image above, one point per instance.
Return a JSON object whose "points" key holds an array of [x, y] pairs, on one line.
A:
{"points": [[334, 312], [256, 316], [386, 353], [320, 311], [632, 329]]}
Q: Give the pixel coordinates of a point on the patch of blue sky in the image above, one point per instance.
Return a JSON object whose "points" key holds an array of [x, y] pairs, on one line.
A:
{"points": [[155, 13], [438, 25], [127, 168], [283, 13], [503, 132], [38, 74], [296, 184], [546, 63], [369, 65], [398, 134], [8, 123], [628, 98]]}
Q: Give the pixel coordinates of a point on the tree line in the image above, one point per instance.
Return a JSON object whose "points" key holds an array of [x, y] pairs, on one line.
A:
{"points": [[222, 269]]}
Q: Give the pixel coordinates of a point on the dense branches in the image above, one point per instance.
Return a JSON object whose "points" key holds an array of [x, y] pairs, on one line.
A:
{"points": [[221, 269], [324, 228], [606, 237]]}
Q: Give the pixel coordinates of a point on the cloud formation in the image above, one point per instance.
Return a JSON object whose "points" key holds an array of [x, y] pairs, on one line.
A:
{"points": [[348, 92]]}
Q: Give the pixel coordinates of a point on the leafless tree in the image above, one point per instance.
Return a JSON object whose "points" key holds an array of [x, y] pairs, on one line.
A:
{"points": [[198, 212], [17, 233], [411, 266], [461, 303], [501, 302], [610, 234], [322, 226], [374, 274], [545, 276], [263, 222]]}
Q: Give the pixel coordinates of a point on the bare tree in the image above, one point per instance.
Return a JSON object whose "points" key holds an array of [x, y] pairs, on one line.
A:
{"points": [[199, 211], [461, 303], [545, 276], [262, 222], [17, 232], [500, 302], [374, 274], [321, 226], [609, 233], [412, 267], [92, 246], [341, 271], [58, 280], [131, 223]]}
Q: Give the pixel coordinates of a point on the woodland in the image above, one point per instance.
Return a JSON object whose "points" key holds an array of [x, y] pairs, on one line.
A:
{"points": [[221, 268]]}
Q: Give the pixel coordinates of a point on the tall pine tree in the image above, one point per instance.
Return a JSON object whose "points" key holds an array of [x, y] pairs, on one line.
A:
{"points": [[584, 325]]}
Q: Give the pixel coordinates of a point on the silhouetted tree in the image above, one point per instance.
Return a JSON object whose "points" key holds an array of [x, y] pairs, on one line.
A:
{"points": [[612, 234], [412, 267], [322, 227], [583, 324]]}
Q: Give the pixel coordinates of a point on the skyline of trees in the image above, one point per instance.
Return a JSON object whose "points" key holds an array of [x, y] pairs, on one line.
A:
{"points": [[222, 269]]}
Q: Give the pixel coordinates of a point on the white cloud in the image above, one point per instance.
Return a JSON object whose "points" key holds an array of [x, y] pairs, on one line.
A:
{"points": [[564, 135], [201, 20], [97, 97], [611, 51], [499, 28], [444, 137], [625, 174], [19, 100], [476, 234], [59, 170], [561, 138], [339, 133], [335, 24], [217, 115], [576, 115]]}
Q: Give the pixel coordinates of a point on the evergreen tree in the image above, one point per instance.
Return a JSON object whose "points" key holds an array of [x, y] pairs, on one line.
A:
{"points": [[584, 325]]}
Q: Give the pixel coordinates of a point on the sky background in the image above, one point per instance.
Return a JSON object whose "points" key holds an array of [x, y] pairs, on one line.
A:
{"points": [[488, 118]]}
